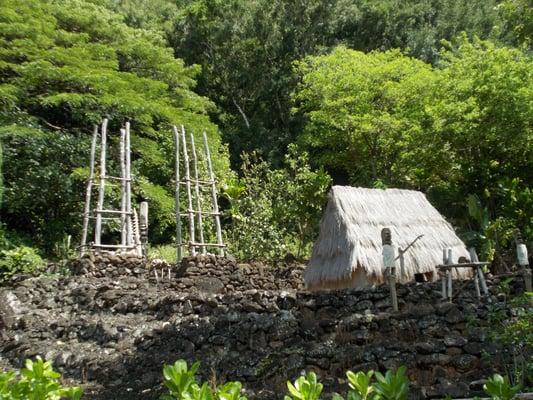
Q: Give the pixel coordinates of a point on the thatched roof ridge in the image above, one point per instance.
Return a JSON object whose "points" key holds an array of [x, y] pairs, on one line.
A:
{"points": [[350, 235]]}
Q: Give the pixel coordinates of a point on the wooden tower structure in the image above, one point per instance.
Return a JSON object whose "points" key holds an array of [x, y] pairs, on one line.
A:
{"points": [[130, 240], [197, 204]]}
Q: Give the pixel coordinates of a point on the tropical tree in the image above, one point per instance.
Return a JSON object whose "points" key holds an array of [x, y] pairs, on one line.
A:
{"points": [[362, 112], [65, 65]]}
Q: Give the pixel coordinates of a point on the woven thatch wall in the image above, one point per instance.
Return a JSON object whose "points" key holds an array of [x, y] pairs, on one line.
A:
{"points": [[348, 250]]}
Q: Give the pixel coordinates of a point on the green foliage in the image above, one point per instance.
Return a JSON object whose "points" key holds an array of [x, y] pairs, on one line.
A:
{"points": [[394, 385], [361, 388], [518, 21], [42, 197], [155, 15], [179, 378], [363, 112], [64, 66], [165, 252], [513, 329], [457, 131], [182, 385], [304, 388], [499, 388], [275, 211], [19, 260], [37, 381], [246, 50]]}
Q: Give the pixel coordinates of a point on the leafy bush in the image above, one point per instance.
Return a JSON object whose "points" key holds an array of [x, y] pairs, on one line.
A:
{"points": [[394, 385], [182, 385], [305, 388], [37, 381], [21, 259], [513, 329], [499, 388], [275, 211], [360, 386]]}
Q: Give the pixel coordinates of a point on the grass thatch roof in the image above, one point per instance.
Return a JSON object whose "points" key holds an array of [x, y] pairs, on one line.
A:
{"points": [[348, 250]]}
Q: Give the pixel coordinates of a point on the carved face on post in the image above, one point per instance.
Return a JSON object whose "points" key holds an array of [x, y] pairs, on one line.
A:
{"points": [[518, 236], [386, 237]]}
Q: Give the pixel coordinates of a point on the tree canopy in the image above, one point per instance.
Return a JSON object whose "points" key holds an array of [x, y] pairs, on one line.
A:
{"points": [[66, 65], [433, 95]]}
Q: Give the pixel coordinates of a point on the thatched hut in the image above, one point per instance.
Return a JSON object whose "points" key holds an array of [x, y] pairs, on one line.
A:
{"points": [[348, 251]]}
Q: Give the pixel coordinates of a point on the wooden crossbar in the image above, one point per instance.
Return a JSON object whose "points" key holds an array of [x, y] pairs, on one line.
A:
{"points": [[207, 244], [196, 181]]}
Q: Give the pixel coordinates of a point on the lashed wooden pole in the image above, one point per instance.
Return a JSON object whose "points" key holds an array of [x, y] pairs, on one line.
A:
{"points": [[474, 258], [177, 172], [190, 210], [197, 194], [123, 225], [129, 227], [216, 213], [101, 185], [88, 192]]}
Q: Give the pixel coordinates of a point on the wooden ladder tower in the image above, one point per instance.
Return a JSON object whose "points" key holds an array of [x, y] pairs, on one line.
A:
{"points": [[196, 208], [129, 225]]}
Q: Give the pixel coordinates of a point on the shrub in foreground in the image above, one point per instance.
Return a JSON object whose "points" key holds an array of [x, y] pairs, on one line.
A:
{"points": [[37, 381]]}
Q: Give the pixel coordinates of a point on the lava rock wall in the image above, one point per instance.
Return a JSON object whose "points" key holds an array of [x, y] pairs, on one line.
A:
{"points": [[114, 331]]}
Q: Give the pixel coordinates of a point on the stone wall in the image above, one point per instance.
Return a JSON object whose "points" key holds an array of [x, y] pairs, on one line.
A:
{"points": [[114, 332]]}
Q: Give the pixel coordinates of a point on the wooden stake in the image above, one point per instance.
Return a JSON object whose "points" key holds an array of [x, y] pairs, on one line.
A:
{"points": [[123, 226], [388, 262], [449, 272], [480, 275], [444, 277], [177, 172], [474, 258], [402, 263], [101, 185], [129, 230], [214, 195], [197, 193], [190, 210], [87, 211]]}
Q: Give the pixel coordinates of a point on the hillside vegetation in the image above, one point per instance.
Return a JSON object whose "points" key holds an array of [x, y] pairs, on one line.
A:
{"points": [[432, 95]]}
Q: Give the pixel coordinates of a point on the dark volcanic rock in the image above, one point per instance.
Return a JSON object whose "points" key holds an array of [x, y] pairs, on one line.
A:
{"points": [[114, 323]]}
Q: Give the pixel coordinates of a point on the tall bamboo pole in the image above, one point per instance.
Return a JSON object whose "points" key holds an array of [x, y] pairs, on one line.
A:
{"points": [[216, 213], [87, 210], [129, 230], [123, 227], [190, 210], [177, 172], [197, 193], [101, 185]]}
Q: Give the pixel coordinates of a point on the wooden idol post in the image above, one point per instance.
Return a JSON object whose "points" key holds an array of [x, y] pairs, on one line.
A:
{"points": [[449, 272], [523, 261], [388, 263]]}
